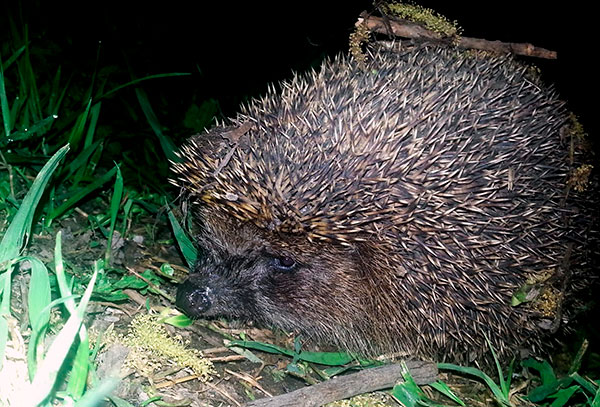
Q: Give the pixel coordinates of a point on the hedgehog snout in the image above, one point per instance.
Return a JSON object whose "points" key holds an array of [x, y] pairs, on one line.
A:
{"points": [[192, 299]]}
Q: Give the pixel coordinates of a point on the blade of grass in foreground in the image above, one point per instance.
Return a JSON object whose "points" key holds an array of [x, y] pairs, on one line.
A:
{"points": [[95, 396], [17, 233], [20, 227], [45, 377], [39, 314], [78, 377]]}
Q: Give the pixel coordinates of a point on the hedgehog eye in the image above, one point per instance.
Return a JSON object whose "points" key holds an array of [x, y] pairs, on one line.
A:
{"points": [[284, 263]]}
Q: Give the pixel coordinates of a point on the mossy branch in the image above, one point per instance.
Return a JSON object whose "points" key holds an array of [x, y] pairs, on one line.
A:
{"points": [[408, 29]]}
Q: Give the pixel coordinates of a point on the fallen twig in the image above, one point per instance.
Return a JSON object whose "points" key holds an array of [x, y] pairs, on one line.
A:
{"points": [[407, 29], [342, 387]]}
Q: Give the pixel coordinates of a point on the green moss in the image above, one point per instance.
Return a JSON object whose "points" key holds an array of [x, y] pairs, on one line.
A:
{"points": [[357, 39], [429, 18], [576, 128], [152, 347], [580, 177]]}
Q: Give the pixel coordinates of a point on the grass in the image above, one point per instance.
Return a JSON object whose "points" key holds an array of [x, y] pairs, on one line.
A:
{"points": [[43, 366], [46, 134]]}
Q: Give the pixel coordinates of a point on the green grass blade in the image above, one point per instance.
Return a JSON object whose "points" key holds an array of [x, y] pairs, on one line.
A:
{"points": [[252, 358], [37, 128], [180, 321], [54, 106], [494, 388], [80, 161], [446, 391], [20, 227], [6, 119], [119, 402], [576, 364], [407, 393], [81, 366], [77, 132], [39, 314], [61, 278], [94, 114], [34, 106], [45, 377], [12, 58], [189, 251], [166, 143], [80, 194], [139, 80], [4, 310], [88, 167], [503, 384], [127, 206], [115, 204], [509, 375], [596, 400], [81, 363], [587, 385], [323, 358], [410, 394], [562, 397], [95, 396], [17, 109]]}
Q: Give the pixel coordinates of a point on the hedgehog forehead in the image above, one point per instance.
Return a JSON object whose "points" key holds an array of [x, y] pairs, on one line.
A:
{"points": [[224, 236], [227, 236]]}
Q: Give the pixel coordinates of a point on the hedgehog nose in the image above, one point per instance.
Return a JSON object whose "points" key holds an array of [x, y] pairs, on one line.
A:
{"points": [[192, 300]]}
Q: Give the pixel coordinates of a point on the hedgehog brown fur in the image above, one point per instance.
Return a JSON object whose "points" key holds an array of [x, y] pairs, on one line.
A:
{"points": [[395, 208]]}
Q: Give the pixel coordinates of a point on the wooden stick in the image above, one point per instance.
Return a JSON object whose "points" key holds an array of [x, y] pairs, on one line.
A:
{"points": [[407, 29], [342, 387]]}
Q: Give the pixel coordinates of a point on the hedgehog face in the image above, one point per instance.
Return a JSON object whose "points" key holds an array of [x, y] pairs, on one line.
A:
{"points": [[246, 274]]}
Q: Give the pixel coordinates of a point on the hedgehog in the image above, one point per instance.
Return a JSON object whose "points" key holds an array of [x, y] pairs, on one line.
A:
{"points": [[418, 205]]}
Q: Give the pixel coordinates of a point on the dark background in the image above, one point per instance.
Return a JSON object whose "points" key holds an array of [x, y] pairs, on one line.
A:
{"points": [[235, 49]]}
